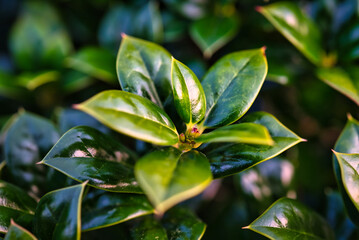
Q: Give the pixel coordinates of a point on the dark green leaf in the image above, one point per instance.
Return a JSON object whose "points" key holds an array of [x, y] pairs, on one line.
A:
{"points": [[72, 81], [27, 140], [297, 27], [132, 115], [104, 209], [231, 86], [17, 232], [148, 229], [289, 219], [342, 80], [96, 62], [33, 80], [38, 38], [9, 87], [348, 42], [220, 32], [169, 177], [181, 223], [227, 159], [15, 204], [86, 154], [188, 94], [144, 68], [58, 214], [250, 133]]}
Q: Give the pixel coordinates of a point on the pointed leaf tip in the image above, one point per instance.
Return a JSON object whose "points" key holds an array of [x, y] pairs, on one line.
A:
{"points": [[258, 8], [246, 227], [350, 117], [303, 140], [41, 162], [123, 35]]}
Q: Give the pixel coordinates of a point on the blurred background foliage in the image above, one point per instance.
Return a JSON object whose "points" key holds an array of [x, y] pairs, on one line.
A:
{"points": [[57, 53]]}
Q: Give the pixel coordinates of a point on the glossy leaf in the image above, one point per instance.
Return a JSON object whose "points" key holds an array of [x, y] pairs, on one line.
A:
{"points": [[181, 223], [188, 94], [38, 38], [18, 232], [297, 27], [33, 80], [104, 209], [169, 177], [220, 32], [96, 62], [144, 68], [289, 219], [250, 133], [148, 229], [342, 80], [27, 140], [86, 154], [132, 115], [232, 84], [227, 159], [15, 204], [58, 214]]}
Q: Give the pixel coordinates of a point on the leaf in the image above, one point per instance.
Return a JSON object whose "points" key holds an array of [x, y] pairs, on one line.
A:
{"points": [[148, 229], [15, 204], [58, 214], [297, 27], [220, 32], [38, 39], [169, 177], [9, 87], [344, 81], [73, 81], [104, 209], [228, 159], [34, 80], [132, 115], [27, 140], [18, 232], [348, 142], [181, 223], [231, 85], [188, 94], [143, 68], [96, 62], [289, 219], [85, 154], [348, 40], [250, 133]]}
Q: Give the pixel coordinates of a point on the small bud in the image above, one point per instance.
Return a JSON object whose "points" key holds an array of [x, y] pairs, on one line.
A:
{"points": [[182, 138]]}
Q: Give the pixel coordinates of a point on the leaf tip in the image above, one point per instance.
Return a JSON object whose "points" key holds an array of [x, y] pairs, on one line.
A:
{"points": [[258, 9], [303, 140], [124, 35], [85, 183], [246, 227], [263, 49], [335, 152], [350, 117], [41, 162], [76, 106]]}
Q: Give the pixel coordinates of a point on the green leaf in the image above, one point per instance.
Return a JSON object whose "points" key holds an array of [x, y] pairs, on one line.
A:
{"points": [[10, 88], [169, 177], [350, 176], [148, 229], [104, 209], [58, 214], [297, 27], [220, 32], [18, 232], [132, 115], [348, 142], [15, 204], [38, 39], [348, 41], [143, 68], [289, 219], [96, 62], [228, 159], [250, 133], [27, 140], [73, 81], [86, 154], [188, 93], [232, 84], [342, 80], [33, 80], [181, 223]]}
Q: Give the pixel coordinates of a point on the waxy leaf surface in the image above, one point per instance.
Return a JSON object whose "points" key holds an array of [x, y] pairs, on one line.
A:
{"points": [[227, 159], [86, 154], [188, 94], [15, 204], [148, 229], [144, 68], [132, 115], [58, 214], [212, 32], [250, 133], [289, 219], [103, 209], [17, 232], [168, 177], [297, 27], [231, 86]]}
